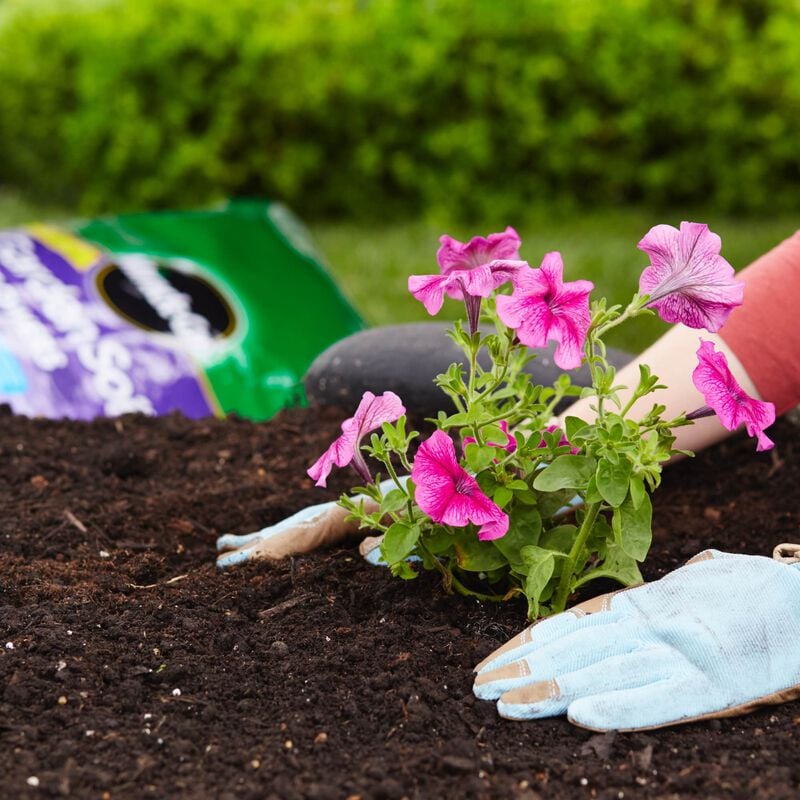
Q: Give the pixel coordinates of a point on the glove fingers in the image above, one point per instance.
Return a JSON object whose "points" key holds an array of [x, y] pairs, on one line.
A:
{"points": [[553, 697], [232, 558], [666, 702], [301, 521], [573, 651], [542, 633], [271, 543], [313, 527], [370, 550], [231, 541]]}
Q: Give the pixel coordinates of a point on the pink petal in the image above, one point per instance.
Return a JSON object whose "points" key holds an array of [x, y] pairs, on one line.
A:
{"points": [[480, 281], [552, 268], [495, 529], [374, 410], [687, 278], [339, 454], [569, 329], [504, 270], [429, 290], [435, 472], [447, 493], [531, 281], [476, 282], [478, 251], [733, 406], [470, 504], [544, 308], [528, 315], [511, 443], [462, 507], [439, 455], [434, 495]]}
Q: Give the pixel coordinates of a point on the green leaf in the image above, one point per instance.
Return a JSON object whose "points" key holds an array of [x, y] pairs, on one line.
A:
{"points": [[456, 420], [404, 570], [518, 485], [473, 555], [540, 563], [550, 502], [478, 458], [573, 425], [487, 482], [393, 501], [437, 540], [638, 491], [559, 538], [494, 434], [632, 527], [597, 543], [612, 481], [502, 496], [399, 541], [566, 472], [618, 566], [592, 495], [526, 496], [524, 528]]}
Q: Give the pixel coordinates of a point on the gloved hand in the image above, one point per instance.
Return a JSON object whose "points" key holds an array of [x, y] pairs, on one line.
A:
{"points": [[308, 529], [717, 637]]}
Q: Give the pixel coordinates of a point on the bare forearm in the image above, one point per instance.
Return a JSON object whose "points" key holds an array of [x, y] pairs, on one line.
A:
{"points": [[673, 358]]}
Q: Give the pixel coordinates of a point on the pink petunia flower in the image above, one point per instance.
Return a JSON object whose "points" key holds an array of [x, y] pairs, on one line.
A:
{"points": [[562, 442], [455, 255], [469, 271], [688, 280], [449, 494], [544, 308], [727, 399], [510, 446], [371, 413]]}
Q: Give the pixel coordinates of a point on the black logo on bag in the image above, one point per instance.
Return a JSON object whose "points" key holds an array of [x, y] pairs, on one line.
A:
{"points": [[160, 297]]}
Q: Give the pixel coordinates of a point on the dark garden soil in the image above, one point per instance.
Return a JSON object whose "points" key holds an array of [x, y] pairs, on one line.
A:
{"points": [[134, 670]]}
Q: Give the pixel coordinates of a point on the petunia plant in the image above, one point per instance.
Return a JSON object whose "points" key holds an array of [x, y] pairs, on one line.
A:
{"points": [[499, 499]]}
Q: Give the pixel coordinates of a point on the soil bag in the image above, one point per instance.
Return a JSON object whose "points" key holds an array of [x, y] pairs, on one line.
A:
{"points": [[203, 312]]}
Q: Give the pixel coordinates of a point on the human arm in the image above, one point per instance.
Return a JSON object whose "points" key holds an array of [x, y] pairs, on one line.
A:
{"points": [[761, 340]]}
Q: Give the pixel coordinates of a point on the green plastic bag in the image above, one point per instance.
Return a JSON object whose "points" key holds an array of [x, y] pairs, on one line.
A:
{"points": [[205, 312]]}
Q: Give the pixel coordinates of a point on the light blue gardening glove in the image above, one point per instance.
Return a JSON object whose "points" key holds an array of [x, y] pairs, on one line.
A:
{"points": [[717, 637], [308, 529]]}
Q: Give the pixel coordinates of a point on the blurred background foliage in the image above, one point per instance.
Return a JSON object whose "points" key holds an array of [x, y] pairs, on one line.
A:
{"points": [[474, 108], [383, 121]]}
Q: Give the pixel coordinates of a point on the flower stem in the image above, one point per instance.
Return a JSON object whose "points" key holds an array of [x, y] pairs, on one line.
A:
{"points": [[473, 306], [633, 309], [360, 466], [463, 590], [402, 488], [627, 407], [473, 369], [504, 371], [562, 591], [447, 575]]}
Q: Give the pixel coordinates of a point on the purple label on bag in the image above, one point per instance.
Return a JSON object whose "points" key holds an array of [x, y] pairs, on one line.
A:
{"points": [[65, 353]]}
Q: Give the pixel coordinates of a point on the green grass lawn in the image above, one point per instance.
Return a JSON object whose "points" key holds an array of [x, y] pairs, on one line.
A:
{"points": [[372, 263]]}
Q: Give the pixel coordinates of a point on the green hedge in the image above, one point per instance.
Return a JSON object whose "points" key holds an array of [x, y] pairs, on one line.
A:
{"points": [[399, 107]]}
